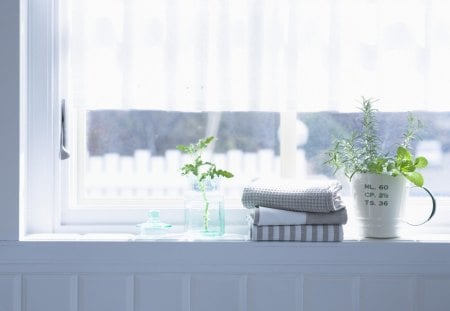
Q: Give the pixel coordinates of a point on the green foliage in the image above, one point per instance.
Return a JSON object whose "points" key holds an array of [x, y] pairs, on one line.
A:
{"points": [[198, 167], [202, 170], [360, 153], [414, 125]]}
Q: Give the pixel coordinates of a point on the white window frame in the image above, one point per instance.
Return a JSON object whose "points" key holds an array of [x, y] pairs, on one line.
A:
{"points": [[47, 176], [40, 115]]}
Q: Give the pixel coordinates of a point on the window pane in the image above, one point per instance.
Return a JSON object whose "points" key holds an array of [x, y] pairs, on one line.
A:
{"points": [[132, 153]]}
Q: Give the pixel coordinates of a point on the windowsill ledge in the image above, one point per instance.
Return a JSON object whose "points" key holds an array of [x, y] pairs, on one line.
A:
{"points": [[114, 252], [182, 238], [231, 254]]}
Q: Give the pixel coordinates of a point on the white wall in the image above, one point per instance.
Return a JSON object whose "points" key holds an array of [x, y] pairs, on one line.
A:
{"points": [[228, 276], [9, 118], [125, 276]]}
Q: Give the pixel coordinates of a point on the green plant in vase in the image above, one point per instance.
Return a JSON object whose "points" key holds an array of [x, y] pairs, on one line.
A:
{"points": [[204, 172], [378, 178], [361, 152]]}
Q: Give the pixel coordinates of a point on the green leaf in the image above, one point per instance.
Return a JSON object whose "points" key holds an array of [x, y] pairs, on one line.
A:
{"points": [[395, 172], [183, 148], [377, 166], [421, 162], [403, 154], [203, 143], [414, 177], [209, 139], [200, 169], [189, 169], [409, 167], [224, 173], [390, 167], [374, 168]]}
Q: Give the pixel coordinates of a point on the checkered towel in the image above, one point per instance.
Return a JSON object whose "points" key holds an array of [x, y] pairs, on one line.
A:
{"points": [[319, 197], [303, 233]]}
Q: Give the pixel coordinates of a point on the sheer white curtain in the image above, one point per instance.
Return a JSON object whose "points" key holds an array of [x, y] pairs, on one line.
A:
{"points": [[264, 55]]}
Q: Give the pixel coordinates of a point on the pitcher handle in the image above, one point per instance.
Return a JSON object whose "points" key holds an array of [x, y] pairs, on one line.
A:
{"points": [[433, 210]]}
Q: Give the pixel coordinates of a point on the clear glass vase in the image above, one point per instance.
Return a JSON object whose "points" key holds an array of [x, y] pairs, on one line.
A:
{"points": [[204, 210]]}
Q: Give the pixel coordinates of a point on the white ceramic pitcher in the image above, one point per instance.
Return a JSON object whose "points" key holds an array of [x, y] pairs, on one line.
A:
{"points": [[380, 201]]}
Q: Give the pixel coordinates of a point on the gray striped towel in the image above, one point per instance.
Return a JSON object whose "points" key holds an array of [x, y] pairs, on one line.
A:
{"points": [[319, 197], [264, 216], [303, 233]]}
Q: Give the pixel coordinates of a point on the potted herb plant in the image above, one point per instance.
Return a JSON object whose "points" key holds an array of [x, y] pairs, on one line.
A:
{"points": [[204, 210], [378, 179]]}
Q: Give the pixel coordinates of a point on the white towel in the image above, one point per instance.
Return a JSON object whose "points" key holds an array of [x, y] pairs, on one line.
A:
{"points": [[264, 216]]}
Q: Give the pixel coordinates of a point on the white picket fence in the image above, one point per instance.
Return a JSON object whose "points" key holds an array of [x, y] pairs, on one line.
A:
{"points": [[144, 175]]}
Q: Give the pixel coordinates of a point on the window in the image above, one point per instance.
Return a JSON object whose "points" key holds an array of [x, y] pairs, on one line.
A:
{"points": [[273, 81]]}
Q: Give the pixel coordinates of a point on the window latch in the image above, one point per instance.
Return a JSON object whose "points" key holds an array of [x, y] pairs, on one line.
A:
{"points": [[63, 152]]}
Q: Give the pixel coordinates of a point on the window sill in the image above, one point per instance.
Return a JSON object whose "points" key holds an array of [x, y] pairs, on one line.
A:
{"points": [[114, 253], [180, 238]]}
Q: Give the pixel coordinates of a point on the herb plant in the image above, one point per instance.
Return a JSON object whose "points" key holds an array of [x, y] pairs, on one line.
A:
{"points": [[360, 153], [202, 171]]}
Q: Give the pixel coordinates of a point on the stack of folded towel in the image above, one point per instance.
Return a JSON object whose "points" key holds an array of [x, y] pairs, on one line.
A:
{"points": [[287, 211]]}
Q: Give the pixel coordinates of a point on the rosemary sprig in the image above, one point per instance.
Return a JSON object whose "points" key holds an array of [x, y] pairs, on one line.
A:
{"points": [[360, 153]]}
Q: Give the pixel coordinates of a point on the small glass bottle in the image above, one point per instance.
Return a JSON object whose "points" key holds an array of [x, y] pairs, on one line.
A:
{"points": [[153, 227]]}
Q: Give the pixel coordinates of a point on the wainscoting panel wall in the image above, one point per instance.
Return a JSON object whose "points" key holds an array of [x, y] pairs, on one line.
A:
{"points": [[273, 292], [182, 292], [92, 297], [376, 293], [151, 290], [434, 293], [97, 276], [327, 292], [46, 292], [10, 294]]}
